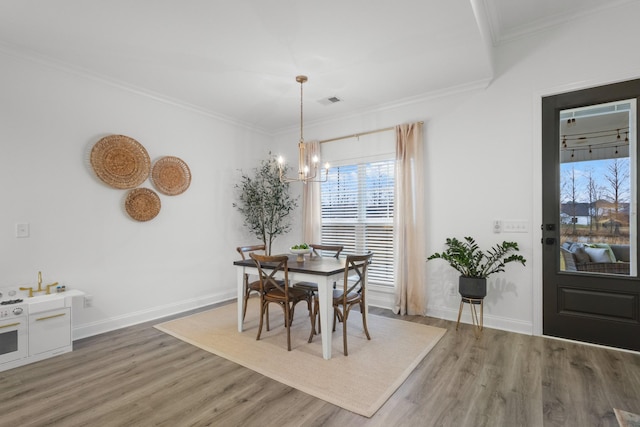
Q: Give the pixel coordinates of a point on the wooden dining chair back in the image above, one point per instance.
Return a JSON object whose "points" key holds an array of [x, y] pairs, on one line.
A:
{"points": [[249, 285], [312, 287], [335, 249], [352, 293], [276, 291]]}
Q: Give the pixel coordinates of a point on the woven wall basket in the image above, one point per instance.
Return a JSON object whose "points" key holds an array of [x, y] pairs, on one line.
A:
{"points": [[142, 204], [120, 161], [170, 175]]}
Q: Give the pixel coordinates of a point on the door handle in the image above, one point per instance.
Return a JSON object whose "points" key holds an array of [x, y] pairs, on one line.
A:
{"points": [[550, 240]]}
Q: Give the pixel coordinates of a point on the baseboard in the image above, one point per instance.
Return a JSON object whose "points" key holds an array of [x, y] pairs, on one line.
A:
{"points": [[111, 324], [489, 321], [383, 298]]}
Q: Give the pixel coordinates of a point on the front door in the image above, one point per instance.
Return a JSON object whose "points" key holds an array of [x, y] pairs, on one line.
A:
{"points": [[591, 290]]}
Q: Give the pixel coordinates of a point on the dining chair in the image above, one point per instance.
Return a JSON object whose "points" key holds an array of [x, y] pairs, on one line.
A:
{"points": [[249, 286], [312, 287], [352, 293], [278, 291]]}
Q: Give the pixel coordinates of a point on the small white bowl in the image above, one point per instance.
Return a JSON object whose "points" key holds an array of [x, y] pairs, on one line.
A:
{"points": [[301, 253]]}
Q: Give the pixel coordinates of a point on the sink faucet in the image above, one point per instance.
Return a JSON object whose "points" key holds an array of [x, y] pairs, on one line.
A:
{"points": [[51, 286], [31, 290]]}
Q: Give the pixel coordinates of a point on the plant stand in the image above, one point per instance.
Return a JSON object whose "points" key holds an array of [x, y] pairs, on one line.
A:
{"points": [[477, 321]]}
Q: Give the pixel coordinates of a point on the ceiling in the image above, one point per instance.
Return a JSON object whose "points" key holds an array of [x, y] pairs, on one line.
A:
{"points": [[237, 59]]}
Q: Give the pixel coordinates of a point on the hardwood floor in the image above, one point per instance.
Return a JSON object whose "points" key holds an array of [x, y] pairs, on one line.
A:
{"points": [[139, 376]]}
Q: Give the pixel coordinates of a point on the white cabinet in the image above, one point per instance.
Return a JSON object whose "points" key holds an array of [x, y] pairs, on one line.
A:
{"points": [[49, 330]]}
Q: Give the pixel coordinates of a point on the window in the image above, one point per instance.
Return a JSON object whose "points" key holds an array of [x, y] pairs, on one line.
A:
{"points": [[357, 212]]}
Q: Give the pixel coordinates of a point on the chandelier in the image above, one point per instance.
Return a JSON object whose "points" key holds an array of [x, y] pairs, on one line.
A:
{"points": [[305, 173]]}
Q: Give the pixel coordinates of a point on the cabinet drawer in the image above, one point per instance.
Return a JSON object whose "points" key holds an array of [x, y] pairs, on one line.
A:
{"points": [[49, 330]]}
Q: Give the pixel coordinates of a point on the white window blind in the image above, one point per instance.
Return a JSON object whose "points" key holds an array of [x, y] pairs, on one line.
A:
{"points": [[357, 212]]}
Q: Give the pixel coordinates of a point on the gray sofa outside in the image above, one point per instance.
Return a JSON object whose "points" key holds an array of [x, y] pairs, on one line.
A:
{"points": [[576, 258]]}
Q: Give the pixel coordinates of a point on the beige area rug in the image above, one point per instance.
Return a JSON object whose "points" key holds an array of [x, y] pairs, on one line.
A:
{"points": [[627, 419], [360, 382]]}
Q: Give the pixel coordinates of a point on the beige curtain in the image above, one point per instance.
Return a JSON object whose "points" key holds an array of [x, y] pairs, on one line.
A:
{"points": [[311, 209], [409, 221]]}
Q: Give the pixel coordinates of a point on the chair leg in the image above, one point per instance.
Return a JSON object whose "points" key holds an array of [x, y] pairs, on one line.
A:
{"points": [[287, 321], [311, 295], [291, 312], [364, 321], [313, 320], [344, 331], [245, 300], [334, 319], [262, 310]]}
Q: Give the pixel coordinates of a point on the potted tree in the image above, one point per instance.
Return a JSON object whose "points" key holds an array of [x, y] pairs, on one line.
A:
{"points": [[475, 265], [265, 202]]}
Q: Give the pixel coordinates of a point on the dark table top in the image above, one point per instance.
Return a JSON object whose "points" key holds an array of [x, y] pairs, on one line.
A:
{"points": [[322, 266]]}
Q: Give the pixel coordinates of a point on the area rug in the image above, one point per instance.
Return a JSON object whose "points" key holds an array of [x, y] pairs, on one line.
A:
{"points": [[360, 382], [627, 419]]}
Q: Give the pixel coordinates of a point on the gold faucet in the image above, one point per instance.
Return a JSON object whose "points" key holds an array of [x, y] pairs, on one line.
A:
{"points": [[31, 290], [51, 286], [28, 289]]}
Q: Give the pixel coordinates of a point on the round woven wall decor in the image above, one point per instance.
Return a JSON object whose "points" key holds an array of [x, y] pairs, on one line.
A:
{"points": [[120, 161], [142, 204], [170, 175]]}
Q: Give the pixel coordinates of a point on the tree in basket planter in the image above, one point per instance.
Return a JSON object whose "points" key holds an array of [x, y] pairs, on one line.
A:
{"points": [[475, 265], [265, 202]]}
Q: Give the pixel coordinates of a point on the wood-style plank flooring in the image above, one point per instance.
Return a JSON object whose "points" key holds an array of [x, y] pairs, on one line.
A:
{"points": [[139, 376]]}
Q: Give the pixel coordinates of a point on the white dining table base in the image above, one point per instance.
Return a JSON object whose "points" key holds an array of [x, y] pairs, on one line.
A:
{"points": [[325, 298]]}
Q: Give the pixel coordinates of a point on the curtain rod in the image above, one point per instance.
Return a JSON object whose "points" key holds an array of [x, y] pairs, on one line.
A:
{"points": [[356, 135]]}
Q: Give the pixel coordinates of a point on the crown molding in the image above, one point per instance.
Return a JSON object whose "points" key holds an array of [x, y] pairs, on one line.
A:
{"points": [[87, 74]]}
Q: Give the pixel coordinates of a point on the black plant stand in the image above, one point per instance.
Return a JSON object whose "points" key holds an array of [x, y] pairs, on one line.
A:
{"points": [[477, 321]]}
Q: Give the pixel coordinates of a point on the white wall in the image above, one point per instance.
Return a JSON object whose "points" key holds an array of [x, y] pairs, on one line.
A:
{"points": [[80, 234], [483, 152]]}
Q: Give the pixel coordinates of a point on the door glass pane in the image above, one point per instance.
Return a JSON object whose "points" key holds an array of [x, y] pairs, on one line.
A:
{"points": [[598, 189]]}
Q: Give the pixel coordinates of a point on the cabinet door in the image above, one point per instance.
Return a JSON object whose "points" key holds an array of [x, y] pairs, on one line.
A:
{"points": [[49, 330]]}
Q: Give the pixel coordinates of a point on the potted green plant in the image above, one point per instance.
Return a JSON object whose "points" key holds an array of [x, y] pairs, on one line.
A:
{"points": [[265, 202], [475, 265]]}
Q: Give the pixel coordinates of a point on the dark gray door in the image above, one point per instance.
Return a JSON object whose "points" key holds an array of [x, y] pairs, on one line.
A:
{"points": [[591, 290]]}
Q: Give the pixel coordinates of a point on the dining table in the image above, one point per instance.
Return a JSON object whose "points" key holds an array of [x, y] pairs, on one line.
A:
{"points": [[317, 269]]}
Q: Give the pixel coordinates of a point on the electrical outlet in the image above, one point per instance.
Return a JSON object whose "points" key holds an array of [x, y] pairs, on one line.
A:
{"points": [[497, 226], [452, 290], [88, 301]]}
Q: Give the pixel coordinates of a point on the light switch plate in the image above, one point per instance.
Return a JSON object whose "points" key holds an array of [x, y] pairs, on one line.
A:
{"points": [[515, 226], [22, 230]]}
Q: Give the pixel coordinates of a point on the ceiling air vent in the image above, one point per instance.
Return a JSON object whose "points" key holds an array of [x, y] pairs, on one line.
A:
{"points": [[330, 100]]}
